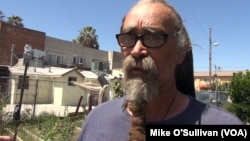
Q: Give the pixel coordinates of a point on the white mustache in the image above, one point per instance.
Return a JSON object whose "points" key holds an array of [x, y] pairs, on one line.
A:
{"points": [[145, 64]]}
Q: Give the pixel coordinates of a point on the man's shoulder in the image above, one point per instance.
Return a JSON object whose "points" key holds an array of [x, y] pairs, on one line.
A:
{"points": [[214, 115], [221, 116], [115, 105], [112, 103]]}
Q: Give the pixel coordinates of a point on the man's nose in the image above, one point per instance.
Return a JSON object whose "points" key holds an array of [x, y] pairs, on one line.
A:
{"points": [[139, 49]]}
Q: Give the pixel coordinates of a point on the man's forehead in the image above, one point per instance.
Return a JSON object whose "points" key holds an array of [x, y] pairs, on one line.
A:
{"points": [[153, 16], [151, 8]]}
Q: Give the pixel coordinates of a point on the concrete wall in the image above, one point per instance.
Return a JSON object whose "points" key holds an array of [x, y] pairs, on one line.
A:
{"points": [[70, 49], [115, 59], [65, 94], [42, 90], [16, 38], [49, 90], [201, 78]]}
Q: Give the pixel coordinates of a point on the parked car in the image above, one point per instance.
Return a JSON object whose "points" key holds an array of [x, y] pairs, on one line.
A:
{"points": [[209, 97]]}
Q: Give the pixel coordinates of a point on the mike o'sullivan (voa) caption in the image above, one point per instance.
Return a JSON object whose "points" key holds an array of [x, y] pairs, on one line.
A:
{"points": [[197, 131]]}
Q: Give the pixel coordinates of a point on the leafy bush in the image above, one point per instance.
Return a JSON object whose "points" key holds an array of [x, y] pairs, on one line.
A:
{"points": [[239, 92]]}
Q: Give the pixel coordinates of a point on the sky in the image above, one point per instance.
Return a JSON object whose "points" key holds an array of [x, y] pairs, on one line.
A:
{"points": [[229, 22]]}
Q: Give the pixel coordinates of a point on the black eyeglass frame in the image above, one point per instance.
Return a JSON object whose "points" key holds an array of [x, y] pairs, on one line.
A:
{"points": [[140, 37]]}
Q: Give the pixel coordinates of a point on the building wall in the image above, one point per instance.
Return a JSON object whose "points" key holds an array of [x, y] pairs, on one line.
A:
{"points": [[17, 37], [42, 90], [201, 78], [201, 84], [48, 90], [65, 94], [70, 49], [115, 59]]}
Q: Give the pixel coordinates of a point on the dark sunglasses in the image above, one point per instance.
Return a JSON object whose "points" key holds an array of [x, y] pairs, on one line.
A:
{"points": [[151, 40]]}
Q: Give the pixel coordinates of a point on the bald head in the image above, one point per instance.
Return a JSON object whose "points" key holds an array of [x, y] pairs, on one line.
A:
{"points": [[168, 12], [159, 17]]}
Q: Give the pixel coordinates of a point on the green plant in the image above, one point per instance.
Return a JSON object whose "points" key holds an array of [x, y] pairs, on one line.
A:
{"points": [[118, 88], [47, 126], [239, 92], [4, 116]]}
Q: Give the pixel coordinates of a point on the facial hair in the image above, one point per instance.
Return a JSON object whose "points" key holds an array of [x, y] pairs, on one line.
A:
{"points": [[143, 87]]}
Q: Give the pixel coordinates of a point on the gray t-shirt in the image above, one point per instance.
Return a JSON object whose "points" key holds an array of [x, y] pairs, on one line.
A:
{"points": [[111, 122]]}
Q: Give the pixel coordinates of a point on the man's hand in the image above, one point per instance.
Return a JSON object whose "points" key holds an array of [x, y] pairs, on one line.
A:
{"points": [[5, 138]]}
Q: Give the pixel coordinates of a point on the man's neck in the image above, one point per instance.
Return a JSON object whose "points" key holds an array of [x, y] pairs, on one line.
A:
{"points": [[166, 106]]}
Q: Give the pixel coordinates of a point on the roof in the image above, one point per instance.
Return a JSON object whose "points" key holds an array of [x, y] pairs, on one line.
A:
{"points": [[51, 71], [88, 86], [46, 71], [92, 75], [89, 74], [219, 73]]}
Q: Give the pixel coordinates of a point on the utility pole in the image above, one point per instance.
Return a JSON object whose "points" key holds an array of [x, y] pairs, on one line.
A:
{"points": [[210, 56], [11, 57], [35, 98], [17, 110]]}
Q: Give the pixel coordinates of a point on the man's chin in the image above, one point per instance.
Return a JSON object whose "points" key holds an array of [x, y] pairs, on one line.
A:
{"points": [[140, 92], [134, 76]]}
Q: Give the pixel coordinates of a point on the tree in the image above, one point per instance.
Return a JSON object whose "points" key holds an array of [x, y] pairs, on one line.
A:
{"points": [[87, 37], [15, 20], [239, 92], [1, 16]]}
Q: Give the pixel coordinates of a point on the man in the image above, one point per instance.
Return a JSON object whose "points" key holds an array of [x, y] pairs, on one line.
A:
{"points": [[154, 42]]}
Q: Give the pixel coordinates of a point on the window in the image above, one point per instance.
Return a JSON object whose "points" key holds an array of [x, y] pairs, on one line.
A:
{"points": [[84, 61], [75, 60], [59, 59], [20, 82], [55, 59], [79, 60], [100, 66], [95, 66], [51, 59], [71, 79]]}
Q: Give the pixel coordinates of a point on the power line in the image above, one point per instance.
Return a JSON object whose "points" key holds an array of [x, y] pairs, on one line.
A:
{"points": [[189, 8]]}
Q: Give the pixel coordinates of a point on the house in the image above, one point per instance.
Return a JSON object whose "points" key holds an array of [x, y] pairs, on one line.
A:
{"points": [[50, 85], [201, 78], [49, 88]]}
